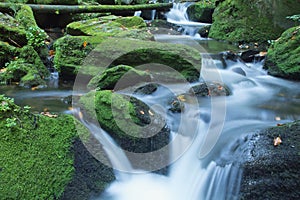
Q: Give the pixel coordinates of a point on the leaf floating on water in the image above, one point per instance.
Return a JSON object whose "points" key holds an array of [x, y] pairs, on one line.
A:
{"points": [[48, 114], [277, 141]]}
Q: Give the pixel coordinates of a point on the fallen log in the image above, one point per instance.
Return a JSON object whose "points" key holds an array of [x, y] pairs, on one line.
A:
{"points": [[63, 9]]}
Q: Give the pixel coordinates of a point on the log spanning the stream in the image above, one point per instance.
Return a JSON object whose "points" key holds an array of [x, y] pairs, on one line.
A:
{"points": [[63, 9]]}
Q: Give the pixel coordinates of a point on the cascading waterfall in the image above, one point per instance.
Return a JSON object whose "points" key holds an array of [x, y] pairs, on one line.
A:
{"points": [[178, 16]]}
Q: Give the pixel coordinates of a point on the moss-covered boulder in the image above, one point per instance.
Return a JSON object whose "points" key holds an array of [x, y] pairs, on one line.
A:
{"points": [[72, 52], [272, 172], [242, 21], [283, 58], [23, 65], [35, 159], [125, 119], [169, 61], [119, 77], [108, 25], [201, 11], [11, 31]]}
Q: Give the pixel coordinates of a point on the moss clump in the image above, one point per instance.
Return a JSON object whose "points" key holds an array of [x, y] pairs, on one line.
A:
{"points": [[283, 58], [113, 112], [25, 16], [35, 161], [201, 12], [108, 25], [25, 67], [11, 31], [182, 59], [242, 21], [122, 75]]}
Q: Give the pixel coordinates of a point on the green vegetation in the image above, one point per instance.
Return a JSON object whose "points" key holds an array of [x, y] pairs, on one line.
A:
{"points": [[283, 55], [125, 75], [201, 11], [242, 21], [35, 158]]}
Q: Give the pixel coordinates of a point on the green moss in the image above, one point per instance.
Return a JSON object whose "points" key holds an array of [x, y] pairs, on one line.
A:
{"points": [[131, 22], [11, 31], [25, 17], [183, 59], [125, 75], [244, 21], [201, 11], [108, 25], [113, 111], [283, 56], [7, 52], [35, 162]]}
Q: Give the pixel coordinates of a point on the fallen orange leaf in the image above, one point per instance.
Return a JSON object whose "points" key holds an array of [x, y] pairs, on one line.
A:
{"points": [[277, 141]]}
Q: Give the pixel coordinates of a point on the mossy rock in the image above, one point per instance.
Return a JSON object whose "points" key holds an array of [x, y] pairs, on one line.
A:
{"points": [[140, 34], [125, 119], [201, 12], [70, 51], [23, 65], [7, 53], [283, 58], [108, 25], [170, 61], [25, 17], [35, 158], [242, 21], [119, 77], [11, 31]]}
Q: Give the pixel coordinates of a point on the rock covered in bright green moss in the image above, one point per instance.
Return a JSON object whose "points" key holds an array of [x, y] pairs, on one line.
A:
{"points": [[25, 16], [201, 12], [283, 58], [23, 65], [161, 59], [126, 119], [12, 31], [242, 21], [35, 159], [119, 77], [108, 25]]}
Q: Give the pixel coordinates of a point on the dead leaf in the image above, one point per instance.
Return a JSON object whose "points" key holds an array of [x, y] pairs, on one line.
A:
{"points": [[277, 141]]}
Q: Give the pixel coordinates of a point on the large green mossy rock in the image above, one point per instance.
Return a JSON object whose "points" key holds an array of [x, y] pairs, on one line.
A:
{"points": [[201, 12], [242, 21], [126, 119], [283, 58], [71, 52], [35, 158], [107, 26], [119, 77], [72, 55]]}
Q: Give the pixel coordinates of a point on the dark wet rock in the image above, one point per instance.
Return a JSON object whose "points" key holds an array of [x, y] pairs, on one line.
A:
{"points": [[229, 55], [239, 70], [90, 177], [241, 21], [201, 12], [119, 77], [249, 55], [204, 31], [272, 172], [176, 105], [210, 89], [283, 58], [147, 89]]}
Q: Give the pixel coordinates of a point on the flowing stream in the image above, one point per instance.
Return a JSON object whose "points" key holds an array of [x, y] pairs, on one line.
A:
{"points": [[208, 132]]}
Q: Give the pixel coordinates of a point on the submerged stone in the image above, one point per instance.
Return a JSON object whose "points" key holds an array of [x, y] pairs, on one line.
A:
{"points": [[283, 58], [210, 89]]}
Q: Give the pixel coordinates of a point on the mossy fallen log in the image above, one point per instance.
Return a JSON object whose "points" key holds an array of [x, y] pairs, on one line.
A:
{"points": [[61, 9]]}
